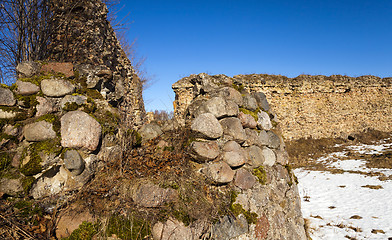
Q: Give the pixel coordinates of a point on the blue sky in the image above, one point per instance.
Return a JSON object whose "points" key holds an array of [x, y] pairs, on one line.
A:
{"points": [[180, 37]]}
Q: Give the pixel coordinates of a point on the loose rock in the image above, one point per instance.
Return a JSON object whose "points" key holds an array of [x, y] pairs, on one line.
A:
{"points": [[255, 156], [247, 120], [45, 106], [249, 102], [229, 93], [27, 69], [12, 187], [230, 227], [269, 156], [261, 100], [7, 114], [69, 99]]}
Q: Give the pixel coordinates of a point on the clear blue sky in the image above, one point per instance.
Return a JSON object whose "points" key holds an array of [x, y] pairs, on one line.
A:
{"points": [[180, 37]]}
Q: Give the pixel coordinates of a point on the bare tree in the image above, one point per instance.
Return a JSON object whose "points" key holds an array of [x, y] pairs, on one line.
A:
{"points": [[24, 34]]}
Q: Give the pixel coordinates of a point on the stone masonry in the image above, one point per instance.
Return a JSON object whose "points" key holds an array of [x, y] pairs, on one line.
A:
{"points": [[310, 106]]}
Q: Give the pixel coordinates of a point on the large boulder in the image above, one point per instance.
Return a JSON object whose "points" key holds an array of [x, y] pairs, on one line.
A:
{"points": [[26, 88], [56, 87], [39, 131], [6, 97], [204, 151], [80, 130], [206, 125], [232, 126]]}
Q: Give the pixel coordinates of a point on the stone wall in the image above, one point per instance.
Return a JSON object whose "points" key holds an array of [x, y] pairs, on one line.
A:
{"points": [[312, 106], [54, 130], [83, 35], [237, 143]]}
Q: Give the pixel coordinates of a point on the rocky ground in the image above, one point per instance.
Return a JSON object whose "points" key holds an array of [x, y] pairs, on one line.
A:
{"points": [[345, 185]]}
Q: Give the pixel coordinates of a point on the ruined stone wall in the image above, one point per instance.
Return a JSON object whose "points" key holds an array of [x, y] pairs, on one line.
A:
{"points": [[83, 35], [237, 143], [317, 106]]}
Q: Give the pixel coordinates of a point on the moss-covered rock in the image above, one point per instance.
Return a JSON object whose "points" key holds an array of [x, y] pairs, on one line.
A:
{"points": [[86, 231], [261, 175]]}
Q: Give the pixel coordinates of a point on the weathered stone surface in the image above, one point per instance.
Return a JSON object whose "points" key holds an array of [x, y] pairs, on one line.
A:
{"points": [[70, 220], [233, 127], [206, 125], [247, 120], [261, 100], [50, 183], [65, 68], [172, 229], [151, 195], [234, 154], [244, 179], [80, 130], [150, 131], [229, 93], [249, 102], [12, 187], [263, 138], [39, 131], [251, 137], [269, 156], [264, 121], [27, 69], [204, 151], [56, 87], [219, 172], [45, 106], [7, 114], [255, 156], [11, 130], [230, 227], [6, 97], [26, 88], [219, 107], [73, 162], [69, 99], [282, 157], [273, 140], [234, 159]]}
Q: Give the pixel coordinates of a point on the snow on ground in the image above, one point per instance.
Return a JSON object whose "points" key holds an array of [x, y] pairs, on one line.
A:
{"points": [[347, 205]]}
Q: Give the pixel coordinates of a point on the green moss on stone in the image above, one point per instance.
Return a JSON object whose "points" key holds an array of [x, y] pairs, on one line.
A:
{"points": [[37, 79], [27, 208], [33, 166], [109, 121], [29, 101], [133, 227], [27, 182], [238, 87], [253, 114], [85, 231], [5, 160], [261, 174], [71, 106], [291, 175], [54, 120], [92, 93]]}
